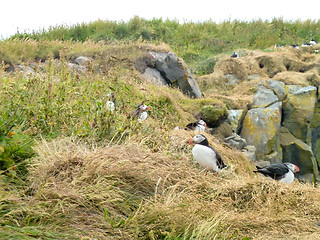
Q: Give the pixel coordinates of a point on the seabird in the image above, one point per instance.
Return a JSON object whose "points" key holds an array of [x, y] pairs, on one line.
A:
{"points": [[283, 172], [205, 155], [305, 45], [312, 42], [141, 112], [111, 102], [296, 46], [199, 126], [235, 55]]}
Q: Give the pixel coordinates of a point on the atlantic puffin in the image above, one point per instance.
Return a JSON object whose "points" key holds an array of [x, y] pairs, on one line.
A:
{"points": [[283, 172], [141, 112], [199, 126], [111, 102], [205, 155], [235, 55], [312, 42]]}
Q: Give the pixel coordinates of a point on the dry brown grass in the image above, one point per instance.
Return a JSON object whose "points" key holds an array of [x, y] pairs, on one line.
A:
{"points": [[164, 194]]}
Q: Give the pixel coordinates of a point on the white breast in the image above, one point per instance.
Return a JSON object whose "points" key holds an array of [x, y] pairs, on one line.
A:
{"points": [[110, 106], [288, 177], [206, 157], [143, 116], [199, 128]]}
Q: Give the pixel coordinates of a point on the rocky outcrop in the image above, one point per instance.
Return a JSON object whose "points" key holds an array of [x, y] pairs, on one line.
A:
{"points": [[298, 112], [172, 69], [299, 153], [254, 131]]}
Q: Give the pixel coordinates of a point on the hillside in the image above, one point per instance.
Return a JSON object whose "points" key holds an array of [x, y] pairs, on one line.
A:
{"points": [[71, 169]]}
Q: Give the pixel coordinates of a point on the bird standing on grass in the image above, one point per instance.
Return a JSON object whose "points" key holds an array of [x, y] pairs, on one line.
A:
{"points": [[205, 155], [111, 102], [199, 126], [312, 42], [141, 112], [283, 172], [235, 55]]}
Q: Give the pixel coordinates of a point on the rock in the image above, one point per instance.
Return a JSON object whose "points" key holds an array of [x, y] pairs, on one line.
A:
{"points": [[278, 88], [25, 70], [75, 68], [315, 133], [250, 152], [83, 61], [213, 115], [261, 128], [176, 73], [236, 141], [234, 119], [298, 152], [298, 112], [262, 163], [231, 79], [155, 76], [264, 98]]}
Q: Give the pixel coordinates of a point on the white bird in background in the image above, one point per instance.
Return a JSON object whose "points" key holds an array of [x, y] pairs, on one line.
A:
{"points": [[312, 42], [205, 155], [110, 104], [283, 172], [235, 55]]}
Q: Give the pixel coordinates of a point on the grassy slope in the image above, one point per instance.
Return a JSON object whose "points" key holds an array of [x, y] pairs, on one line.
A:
{"points": [[106, 177]]}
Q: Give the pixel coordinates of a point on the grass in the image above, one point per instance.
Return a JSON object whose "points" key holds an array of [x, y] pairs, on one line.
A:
{"points": [[76, 171], [197, 43]]}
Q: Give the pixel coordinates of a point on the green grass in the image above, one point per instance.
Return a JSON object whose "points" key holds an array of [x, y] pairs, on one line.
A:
{"points": [[196, 43]]}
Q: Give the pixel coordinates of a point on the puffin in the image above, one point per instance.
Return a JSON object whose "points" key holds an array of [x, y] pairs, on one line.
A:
{"points": [[305, 45], [283, 172], [312, 42], [111, 102], [141, 112], [235, 55], [296, 46], [198, 126], [207, 157]]}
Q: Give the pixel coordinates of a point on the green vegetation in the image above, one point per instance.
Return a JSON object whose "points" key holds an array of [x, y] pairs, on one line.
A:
{"points": [[71, 169], [197, 43]]}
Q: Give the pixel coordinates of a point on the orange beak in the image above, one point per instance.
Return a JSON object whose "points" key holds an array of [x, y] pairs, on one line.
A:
{"points": [[148, 108], [297, 169], [191, 142]]}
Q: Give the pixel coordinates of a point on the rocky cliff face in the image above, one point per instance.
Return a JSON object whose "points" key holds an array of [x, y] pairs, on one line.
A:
{"points": [[283, 118]]}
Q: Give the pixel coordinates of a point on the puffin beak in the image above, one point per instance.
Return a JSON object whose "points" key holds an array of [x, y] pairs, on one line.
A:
{"points": [[191, 141], [297, 169], [148, 108], [205, 124]]}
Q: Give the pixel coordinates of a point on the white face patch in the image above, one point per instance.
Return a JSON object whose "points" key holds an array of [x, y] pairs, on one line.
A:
{"points": [[199, 138], [144, 107]]}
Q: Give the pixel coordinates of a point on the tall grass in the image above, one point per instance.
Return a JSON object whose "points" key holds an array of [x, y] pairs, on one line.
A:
{"points": [[196, 43]]}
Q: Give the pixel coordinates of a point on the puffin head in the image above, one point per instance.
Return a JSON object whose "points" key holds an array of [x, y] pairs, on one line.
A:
{"points": [[202, 123], [292, 167], [144, 107], [198, 139]]}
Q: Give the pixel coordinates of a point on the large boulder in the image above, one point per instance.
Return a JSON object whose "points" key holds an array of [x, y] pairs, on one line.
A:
{"points": [[298, 112], [154, 76], [234, 119], [278, 88], [261, 128], [264, 98], [173, 70], [296, 151]]}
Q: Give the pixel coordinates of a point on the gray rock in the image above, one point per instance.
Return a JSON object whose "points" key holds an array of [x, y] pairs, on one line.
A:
{"points": [[231, 79], [234, 118], [236, 141], [25, 70], [250, 152], [154, 76], [278, 88], [264, 98], [75, 68], [83, 61], [298, 112], [176, 73], [261, 128], [296, 151]]}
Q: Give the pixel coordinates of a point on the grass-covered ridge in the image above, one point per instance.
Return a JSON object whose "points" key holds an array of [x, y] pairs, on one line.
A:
{"points": [[76, 171], [197, 43]]}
